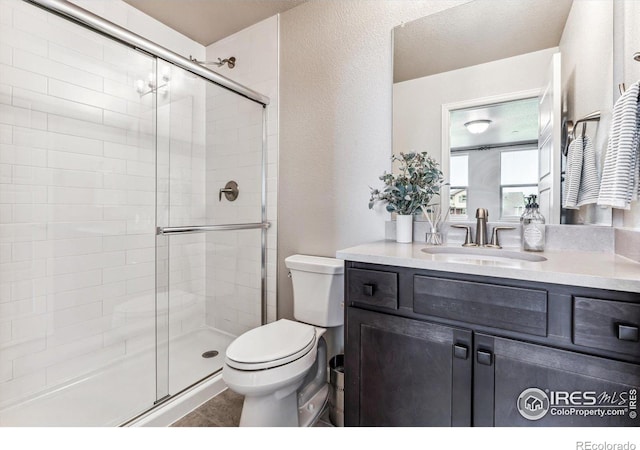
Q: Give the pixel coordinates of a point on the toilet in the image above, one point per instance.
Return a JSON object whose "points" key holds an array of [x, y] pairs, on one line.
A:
{"points": [[281, 367]]}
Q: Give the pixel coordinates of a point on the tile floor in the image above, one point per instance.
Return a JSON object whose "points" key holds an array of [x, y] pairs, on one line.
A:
{"points": [[224, 410]]}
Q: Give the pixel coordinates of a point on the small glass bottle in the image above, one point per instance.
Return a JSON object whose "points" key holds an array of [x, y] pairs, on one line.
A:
{"points": [[533, 227]]}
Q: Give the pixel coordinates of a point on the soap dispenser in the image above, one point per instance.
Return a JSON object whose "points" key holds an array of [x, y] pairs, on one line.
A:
{"points": [[533, 228]]}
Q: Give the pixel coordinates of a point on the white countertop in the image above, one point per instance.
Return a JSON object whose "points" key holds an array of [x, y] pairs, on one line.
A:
{"points": [[587, 269]]}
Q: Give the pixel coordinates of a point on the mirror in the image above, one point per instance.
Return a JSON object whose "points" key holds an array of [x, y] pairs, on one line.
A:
{"points": [[524, 66]]}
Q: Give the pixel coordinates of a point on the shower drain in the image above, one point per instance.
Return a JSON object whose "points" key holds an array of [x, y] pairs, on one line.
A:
{"points": [[210, 354]]}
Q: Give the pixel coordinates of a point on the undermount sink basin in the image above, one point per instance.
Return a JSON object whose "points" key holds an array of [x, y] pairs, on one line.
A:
{"points": [[482, 254]]}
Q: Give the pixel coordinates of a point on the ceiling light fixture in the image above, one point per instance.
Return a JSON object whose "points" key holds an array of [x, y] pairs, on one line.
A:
{"points": [[477, 126]]}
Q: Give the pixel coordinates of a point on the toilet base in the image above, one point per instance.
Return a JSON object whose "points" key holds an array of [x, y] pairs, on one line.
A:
{"points": [[309, 413], [270, 411]]}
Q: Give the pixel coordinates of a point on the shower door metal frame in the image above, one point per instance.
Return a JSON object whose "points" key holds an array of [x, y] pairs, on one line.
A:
{"points": [[110, 29]]}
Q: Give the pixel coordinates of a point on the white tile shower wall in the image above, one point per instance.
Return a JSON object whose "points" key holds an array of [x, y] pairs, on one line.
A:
{"points": [[77, 195], [233, 284]]}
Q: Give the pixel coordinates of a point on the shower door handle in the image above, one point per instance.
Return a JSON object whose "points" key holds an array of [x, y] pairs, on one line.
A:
{"points": [[203, 228]]}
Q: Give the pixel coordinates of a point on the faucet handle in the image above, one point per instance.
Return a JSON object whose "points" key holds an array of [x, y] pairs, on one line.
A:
{"points": [[495, 243], [467, 238]]}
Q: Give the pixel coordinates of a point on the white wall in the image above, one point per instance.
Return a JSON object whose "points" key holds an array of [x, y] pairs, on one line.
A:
{"points": [[335, 123], [77, 194], [587, 81], [235, 145]]}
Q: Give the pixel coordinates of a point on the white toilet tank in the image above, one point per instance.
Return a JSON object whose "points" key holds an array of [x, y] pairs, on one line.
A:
{"points": [[318, 289]]}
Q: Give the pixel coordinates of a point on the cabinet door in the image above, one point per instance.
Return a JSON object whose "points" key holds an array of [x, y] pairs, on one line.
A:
{"points": [[403, 372], [521, 384]]}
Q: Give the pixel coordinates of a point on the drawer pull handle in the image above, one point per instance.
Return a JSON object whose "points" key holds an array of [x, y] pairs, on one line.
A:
{"points": [[627, 333], [460, 351], [484, 357], [369, 289]]}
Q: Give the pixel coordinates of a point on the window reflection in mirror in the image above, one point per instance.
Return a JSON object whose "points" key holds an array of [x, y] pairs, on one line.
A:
{"points": [[459, 180], [518, 180], [496, 168]]}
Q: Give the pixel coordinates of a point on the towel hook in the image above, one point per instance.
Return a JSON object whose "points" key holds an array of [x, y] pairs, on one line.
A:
{"points": [[584, 129]]}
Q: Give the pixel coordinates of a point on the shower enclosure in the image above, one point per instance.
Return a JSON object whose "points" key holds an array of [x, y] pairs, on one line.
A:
{"points": [[125, 270]]}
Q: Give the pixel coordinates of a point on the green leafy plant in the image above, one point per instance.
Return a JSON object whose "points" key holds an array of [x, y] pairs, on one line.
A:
{"points": [[417, 181]]}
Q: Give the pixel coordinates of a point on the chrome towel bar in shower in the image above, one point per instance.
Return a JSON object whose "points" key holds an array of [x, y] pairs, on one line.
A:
{"points": [[203, 228]]}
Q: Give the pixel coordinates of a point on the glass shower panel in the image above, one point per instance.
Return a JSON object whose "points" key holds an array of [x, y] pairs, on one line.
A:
{"points": [[234, 280], [181, 259], [234, 153], [77, 217], [235, 130], [207, 137]]}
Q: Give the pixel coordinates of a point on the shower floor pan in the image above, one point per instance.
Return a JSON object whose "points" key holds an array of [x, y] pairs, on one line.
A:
{"points": [[121, 391]]}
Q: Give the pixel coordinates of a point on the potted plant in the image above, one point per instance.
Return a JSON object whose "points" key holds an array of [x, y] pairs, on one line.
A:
{"points": [[418, 179]]}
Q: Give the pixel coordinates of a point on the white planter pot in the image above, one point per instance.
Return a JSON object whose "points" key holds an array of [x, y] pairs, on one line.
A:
{"points": [[404, 228]]}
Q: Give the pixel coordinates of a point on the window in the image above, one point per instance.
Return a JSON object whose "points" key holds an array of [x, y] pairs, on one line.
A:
{"points": [[518, 180], [459, 183]]}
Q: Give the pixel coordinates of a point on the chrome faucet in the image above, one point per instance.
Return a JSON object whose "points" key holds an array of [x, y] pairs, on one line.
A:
{"points": [[481, 227], [482, 214]]}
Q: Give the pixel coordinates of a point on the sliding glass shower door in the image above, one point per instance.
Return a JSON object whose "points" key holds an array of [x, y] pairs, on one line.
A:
{"points": [[210, 233], [128, 261]]}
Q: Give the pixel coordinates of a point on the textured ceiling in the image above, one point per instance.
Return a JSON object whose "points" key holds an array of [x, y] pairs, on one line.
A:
{"points": [[208, 21], [476, 32]]}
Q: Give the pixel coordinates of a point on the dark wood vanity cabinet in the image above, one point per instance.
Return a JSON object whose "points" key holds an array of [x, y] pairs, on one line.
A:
{"points": [[410, 373], [428, 348], [577, 382]]}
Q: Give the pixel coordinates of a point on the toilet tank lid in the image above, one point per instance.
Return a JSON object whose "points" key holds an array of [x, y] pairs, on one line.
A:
{"points": [[317, 264]]}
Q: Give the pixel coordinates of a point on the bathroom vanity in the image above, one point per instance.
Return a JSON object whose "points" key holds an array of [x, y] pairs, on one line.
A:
{"points": [[436, 340]]}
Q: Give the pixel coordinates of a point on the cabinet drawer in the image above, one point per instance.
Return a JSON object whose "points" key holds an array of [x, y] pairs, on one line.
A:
{"points": [[607, 325], [505, 307], [373, 287]]}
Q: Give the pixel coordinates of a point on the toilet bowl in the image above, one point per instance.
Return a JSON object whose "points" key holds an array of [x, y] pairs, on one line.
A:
{"points": [[270, 381], [281, 367]]}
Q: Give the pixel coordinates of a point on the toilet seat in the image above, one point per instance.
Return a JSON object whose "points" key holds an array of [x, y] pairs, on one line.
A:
{"points": [[271, 345]]}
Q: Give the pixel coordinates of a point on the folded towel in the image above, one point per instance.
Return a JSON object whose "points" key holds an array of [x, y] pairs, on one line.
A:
{"points": [[590, 177], [619, 186], [582, 180]]}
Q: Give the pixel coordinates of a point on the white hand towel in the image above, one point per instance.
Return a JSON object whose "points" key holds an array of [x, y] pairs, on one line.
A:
{"points": [[619, 186]]}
